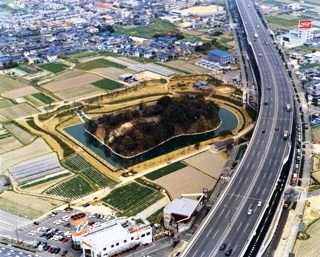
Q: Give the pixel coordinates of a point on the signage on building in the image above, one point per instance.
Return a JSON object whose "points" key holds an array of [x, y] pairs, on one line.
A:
{"points": [[83, 242], [305, 24]]}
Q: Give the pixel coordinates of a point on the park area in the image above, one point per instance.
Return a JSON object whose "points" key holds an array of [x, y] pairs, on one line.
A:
{"points": [[132, 198], [54, 67]]}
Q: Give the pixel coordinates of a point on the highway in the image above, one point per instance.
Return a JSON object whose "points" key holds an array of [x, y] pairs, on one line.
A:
{"points": [[255, 179]]}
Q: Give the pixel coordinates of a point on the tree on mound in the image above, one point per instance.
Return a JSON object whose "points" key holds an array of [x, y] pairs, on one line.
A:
{"points": [[131, 132]]}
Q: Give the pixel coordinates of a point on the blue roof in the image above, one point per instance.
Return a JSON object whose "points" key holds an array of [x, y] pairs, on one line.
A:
{"points": [[219, 52]]}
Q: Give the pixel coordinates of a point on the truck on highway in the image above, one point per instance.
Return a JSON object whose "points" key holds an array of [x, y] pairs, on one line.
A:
{"points": [[285, 135], [288, 108], [255, 36]]}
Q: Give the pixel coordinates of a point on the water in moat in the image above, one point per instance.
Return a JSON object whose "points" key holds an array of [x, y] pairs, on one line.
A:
{"points": [[229, 122]]}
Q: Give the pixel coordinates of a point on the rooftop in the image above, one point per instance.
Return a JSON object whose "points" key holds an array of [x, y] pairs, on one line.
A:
{"points": [[181, 206]]}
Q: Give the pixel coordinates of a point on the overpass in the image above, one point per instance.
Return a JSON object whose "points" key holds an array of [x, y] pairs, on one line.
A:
{"points": [[251, 186]]}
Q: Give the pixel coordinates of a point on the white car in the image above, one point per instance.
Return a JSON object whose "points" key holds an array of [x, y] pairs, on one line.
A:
{"points": [[249, 211], [259, 203]]}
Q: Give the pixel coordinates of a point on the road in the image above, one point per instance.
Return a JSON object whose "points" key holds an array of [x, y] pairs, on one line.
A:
{"points": [[255, 179]]}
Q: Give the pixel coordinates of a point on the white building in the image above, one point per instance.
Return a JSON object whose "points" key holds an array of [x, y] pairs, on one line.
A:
{"points": [[117, 236], [296, 37]]}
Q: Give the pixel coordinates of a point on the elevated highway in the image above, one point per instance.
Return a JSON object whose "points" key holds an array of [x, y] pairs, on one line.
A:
{"points": [[257, 175]]}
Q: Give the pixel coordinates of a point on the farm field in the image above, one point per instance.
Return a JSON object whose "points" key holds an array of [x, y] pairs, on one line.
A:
{"points": [[19, 133], [26, 205], [189, 67], [283, 21], [68, 74], [18, 111], [33, 101], [5, 103], [78, 164], [165, 170], [43, 98], [33, 150], [82, 54], [132, 198], [98, 63], [16, 93], [79, 92], [54, 67], [112, 73], [72, 188], [190, 180], [108, 84], [71, 83], [157, 27], [27, 69], [208, 162], [7, 84], [8, 144]]}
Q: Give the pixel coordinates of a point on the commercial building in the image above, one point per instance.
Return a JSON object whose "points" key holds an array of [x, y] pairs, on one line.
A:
{"points": [[117, 236], [180, 211], [219, 56]]}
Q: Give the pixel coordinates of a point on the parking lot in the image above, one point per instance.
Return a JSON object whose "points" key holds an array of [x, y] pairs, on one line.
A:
{"points": [[51, 234]]}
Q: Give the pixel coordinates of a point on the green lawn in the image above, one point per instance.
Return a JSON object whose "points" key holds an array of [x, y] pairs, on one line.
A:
{"points": [[107, 84], [98, 63], [165, 170], [148, 31], [43, 98], [54, 67], [132, 198]]}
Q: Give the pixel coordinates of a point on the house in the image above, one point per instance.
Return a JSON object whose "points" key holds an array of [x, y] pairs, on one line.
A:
{"points": [[222, 145]]}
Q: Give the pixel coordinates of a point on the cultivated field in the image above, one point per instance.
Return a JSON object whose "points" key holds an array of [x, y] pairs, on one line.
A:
{"points": [[72, 82], [5, 103], [33, 150], [182, 65], [132, 198], [95, 177], [98, 63], [26, 205], [122, 60], [108, 84], [71, 188], [165, 170], [79, 92], [54, 67], [7, 84], [19, 133], [111, 72], [17, 111], [68, 74], [43, 98], [13, 94], [8, 144], [208, 162], [186, 180]]}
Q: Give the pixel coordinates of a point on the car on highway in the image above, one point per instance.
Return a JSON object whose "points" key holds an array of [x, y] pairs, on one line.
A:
{"points": [[263, 131], [36, 223], [228, 253], [265, 102], [249, 211], [259, 203], [260, 55], [269, 87], [222, 247]]}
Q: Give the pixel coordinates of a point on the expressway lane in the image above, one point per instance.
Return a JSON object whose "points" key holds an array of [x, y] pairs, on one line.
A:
{"points": [[257, 175]]}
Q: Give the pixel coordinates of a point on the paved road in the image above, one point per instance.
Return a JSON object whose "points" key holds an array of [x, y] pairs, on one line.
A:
{"points": [[228, 222]]}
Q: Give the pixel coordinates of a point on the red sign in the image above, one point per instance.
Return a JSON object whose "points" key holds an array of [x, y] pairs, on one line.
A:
{"points": [[305, 24]]}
